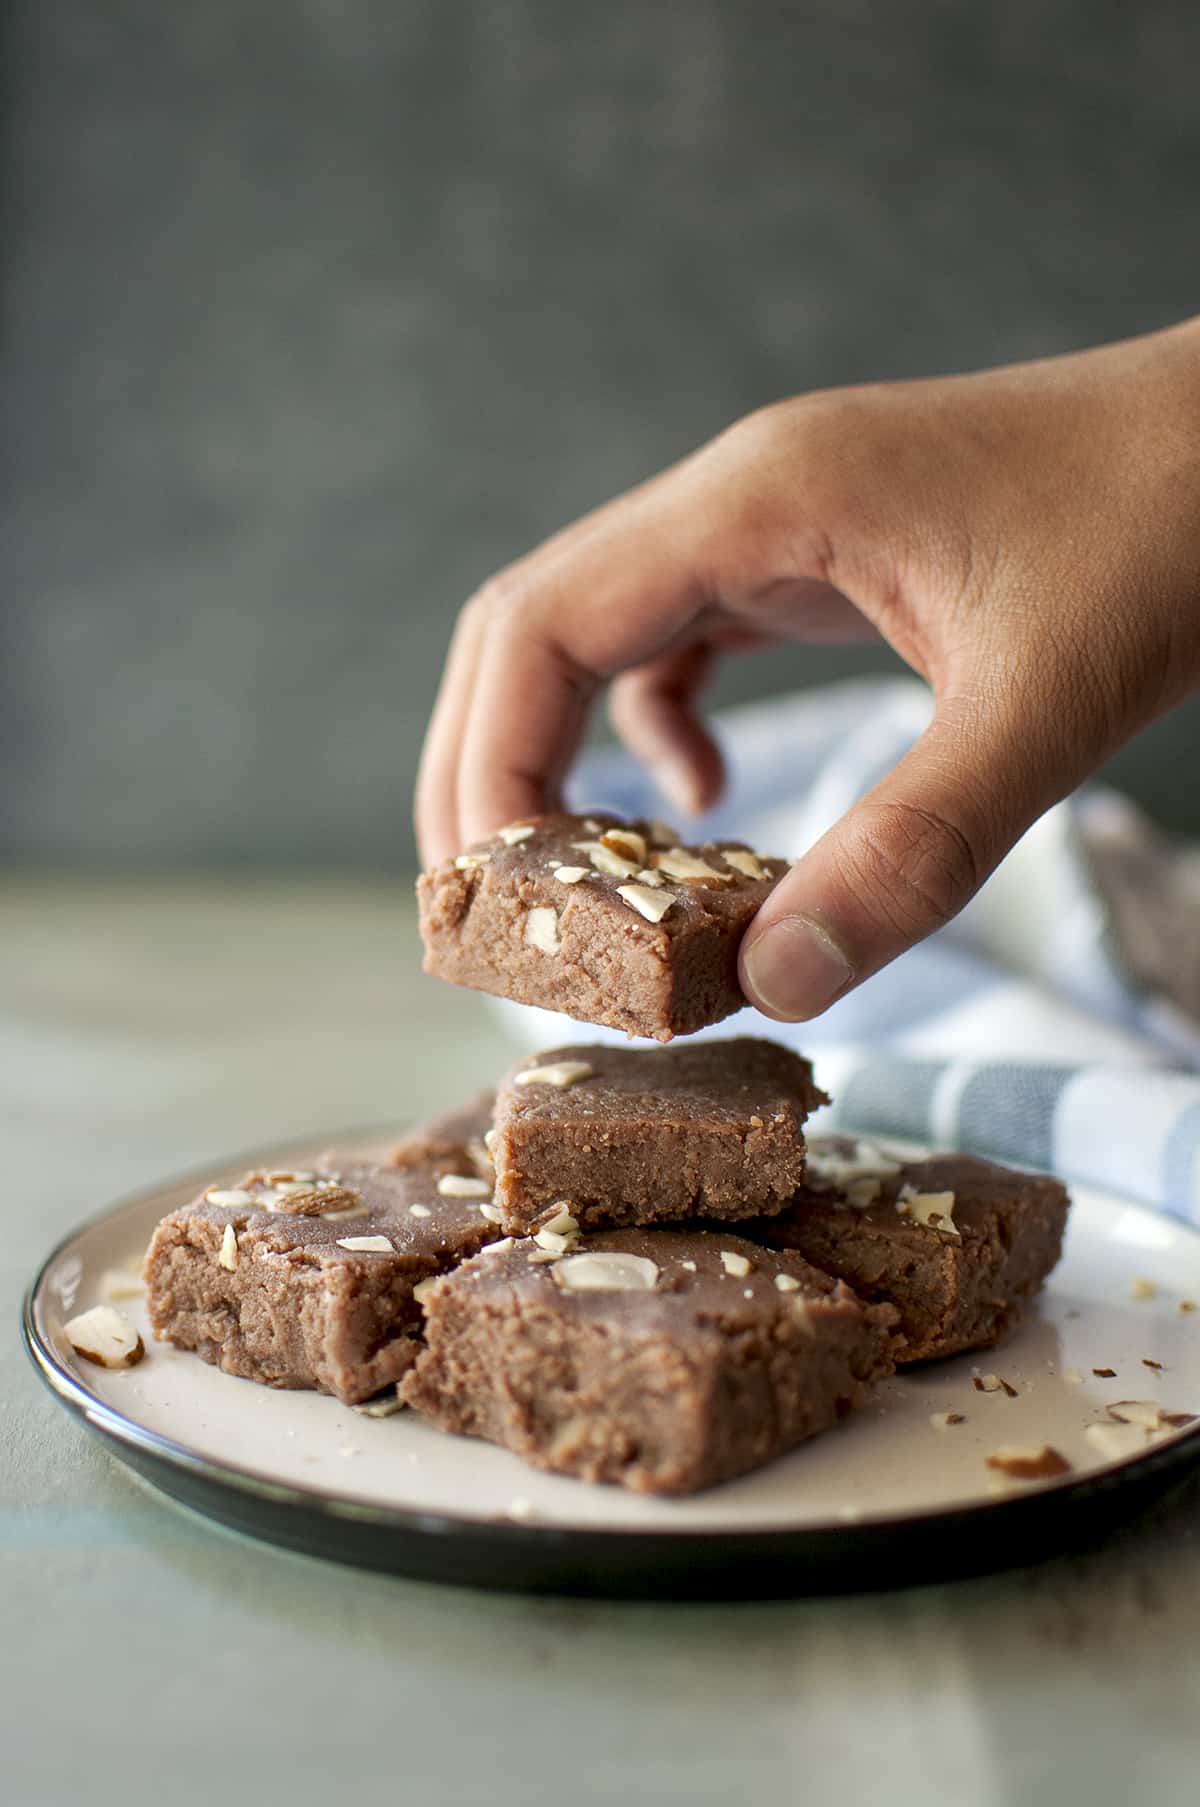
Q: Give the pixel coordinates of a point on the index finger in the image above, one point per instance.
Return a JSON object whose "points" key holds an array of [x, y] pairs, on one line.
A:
{"points": [[613, 599], [439, 829]]}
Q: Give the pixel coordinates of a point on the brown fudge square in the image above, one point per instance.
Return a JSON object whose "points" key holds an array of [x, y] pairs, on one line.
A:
{"points": [[651, 1135], [661, 1359], [452, 1143], [610, 922], [259, 1282], [960, 1280]]}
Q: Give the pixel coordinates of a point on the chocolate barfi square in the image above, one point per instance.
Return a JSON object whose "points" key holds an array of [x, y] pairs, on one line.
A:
{"points": [[665, 1360], [306, 1279], [453, 1143], [607, 921], [958, 1245], [651, 1135]]}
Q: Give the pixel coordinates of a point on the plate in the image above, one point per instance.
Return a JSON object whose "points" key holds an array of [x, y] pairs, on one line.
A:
{"points": [[888, 1499]]}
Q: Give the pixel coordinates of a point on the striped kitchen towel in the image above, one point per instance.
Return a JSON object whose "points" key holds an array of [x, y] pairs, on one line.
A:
{"points": [[1056, 1023]]}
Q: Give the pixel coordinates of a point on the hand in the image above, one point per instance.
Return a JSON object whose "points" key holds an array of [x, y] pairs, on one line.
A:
{"points": [[1028, 539]]}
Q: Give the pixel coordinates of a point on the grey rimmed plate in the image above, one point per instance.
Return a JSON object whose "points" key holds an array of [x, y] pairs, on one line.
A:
{"points": [[888, 1499]]}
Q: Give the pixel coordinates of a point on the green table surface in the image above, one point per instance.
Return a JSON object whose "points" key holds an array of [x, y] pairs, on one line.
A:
{"points": [[148, 1024]]}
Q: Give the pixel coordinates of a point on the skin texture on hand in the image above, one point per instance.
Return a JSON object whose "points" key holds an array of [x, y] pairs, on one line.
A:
{"points": [[1028, 539]]}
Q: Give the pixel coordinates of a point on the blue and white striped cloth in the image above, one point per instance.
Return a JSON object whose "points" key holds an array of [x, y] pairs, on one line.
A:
{"points": [[1056, 1023]]}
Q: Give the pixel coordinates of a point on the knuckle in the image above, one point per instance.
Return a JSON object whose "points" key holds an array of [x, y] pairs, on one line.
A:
{"points": [[913, 867], [759, 436], [834, 449], [503, 592]]}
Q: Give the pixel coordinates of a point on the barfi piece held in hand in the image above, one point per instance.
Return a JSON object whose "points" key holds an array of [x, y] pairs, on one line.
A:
{"points": [[641, 1135], [307, 1280], [957, 1245], [609, 922], [664, 1360]]}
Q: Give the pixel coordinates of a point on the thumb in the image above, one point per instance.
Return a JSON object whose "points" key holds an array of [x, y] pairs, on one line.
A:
{"points": [[897, 866]]}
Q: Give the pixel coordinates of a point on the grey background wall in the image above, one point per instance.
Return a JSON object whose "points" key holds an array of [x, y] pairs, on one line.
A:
{"points": [[315, 311]]}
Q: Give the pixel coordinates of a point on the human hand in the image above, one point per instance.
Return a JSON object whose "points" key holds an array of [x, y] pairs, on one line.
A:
{"points": [[1028, 539]]}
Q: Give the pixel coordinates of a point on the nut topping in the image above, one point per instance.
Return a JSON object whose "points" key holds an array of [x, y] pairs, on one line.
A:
{"points": [[514, 832], [688, 868], [228, 1197], [105, 1336], [555, 1072], [481, 1159], [116, 1284], [570, 875], [1137, 1411], [463, 1185], [787, 1283], [748, 864], [605, 860], [383, 1407], [653, 905], [366, 1245], [1116, 1440], [541, 930], [626, 842], [607, 1271], [733, 1263], [320, 1200], [831, 1163], [562, 1223], [552, 1243], [933, 1210], [227, 1254], [1028, 1464]]}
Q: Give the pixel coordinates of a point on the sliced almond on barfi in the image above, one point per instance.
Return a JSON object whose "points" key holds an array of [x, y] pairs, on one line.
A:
{"points": [[541, 930], [607, 859], [607, 1271], [555, 1072], [322, 1200], [653, 905], [688, 868]]}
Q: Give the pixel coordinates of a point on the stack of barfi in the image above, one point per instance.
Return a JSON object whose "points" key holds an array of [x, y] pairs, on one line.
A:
{"points": [[627, 1265]]}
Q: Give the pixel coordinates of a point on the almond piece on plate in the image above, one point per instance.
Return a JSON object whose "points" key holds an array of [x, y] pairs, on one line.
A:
{"points": [[1028, 1464], [115, 1283], [105, 1336]]}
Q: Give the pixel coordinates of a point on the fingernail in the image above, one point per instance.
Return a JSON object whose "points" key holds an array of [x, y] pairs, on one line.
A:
{"points": [[678, 785], [794, 969]]}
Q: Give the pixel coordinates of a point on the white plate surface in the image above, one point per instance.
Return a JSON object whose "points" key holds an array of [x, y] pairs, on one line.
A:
{"points": [[887, 1462]]}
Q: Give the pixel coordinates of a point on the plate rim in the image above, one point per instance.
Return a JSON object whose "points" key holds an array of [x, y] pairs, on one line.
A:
{"points": [[118, 1428]]}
